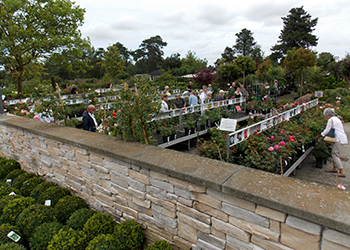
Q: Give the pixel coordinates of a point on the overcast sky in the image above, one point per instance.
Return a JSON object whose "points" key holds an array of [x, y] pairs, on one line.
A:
{"points": [[207, 27]]}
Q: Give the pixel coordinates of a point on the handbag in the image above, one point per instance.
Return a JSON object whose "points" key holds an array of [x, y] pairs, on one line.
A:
{"points": [[330, 137]]}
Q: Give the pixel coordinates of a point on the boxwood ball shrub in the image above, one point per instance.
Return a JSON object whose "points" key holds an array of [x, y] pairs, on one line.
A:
{"points": [[160, 245], [18, 182], [14, 174], [12, 246], [5, 190], [32, 217], [5, 200], [129, 235], [66, 206], [54, 194], [99, 223], [14, 208], [79, 218], [7, 166], [68, 238], [41, 188], [43, 235], [29, 185], [5, 228], [104, 242]]}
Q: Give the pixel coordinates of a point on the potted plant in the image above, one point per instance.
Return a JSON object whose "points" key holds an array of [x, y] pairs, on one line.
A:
{"points": [[321, 153]]}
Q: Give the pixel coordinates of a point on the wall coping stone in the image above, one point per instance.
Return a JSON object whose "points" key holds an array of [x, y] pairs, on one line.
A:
{"points": [[313, 202]]}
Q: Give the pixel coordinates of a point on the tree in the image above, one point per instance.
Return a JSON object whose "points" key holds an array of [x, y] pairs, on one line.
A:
{"points": [[297, 29], [244, 65], [297, 60], [229, 54], [191, 62], [245, 42], [324, 60], [31, 30], [113, 63], [204, 77], [172, 62], [149, 55], [124, 52]]}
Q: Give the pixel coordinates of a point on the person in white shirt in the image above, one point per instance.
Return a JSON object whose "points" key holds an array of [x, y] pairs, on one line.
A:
{"points": [[203, 94], [164, 106], [340, 139]]}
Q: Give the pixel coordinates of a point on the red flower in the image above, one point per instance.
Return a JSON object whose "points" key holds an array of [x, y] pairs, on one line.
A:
{"points": [[292, 140], [114, 114], [272, 137], [281, 132]]}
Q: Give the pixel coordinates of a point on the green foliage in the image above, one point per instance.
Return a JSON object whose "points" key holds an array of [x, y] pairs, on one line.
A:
{"points": [[104, 242], [14, 208], [245, 65], [99, 223], [5, 200], [129, 235], [66, 206], [43, 235], [322, 150], [14, 174], [67, 239], [54, 194], [79, 218], [245, 42], [32, 217], [40, 189], [160, 245], [5, 190], [5, 228], [113, 63], [12, 246], [7, 166], [18, 182], [29, 185], [165, 79]]}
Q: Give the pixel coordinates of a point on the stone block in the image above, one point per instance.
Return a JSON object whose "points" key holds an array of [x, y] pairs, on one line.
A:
{"points": [[159, 176], [162, 185], [136, 193], [96, 159], [182, 192], [217, 233], [100, 168], [329, 245], [270, 213], [149, 220], [171, 197], [120, 180], [166, 204], [120, 200], [299, 239], [254, 229], [205, 245], [159, 209], [275, 226], [169, 222], [88, 170], [186, 202], [233, 243], [193, 213], [103, 198], [245, 215], [163, 233], [116, 168], [212, 240], [229, 229], [231, 199], [142, 202], [156, 192], [210, 211], [303, 225], [266, 244], [140, 177], [198, 225], [187, 232], [136, 184], [125, 209], [101, 189], [187, 185], [336, 237], [206, 199], [140, 209], [182, 243]]}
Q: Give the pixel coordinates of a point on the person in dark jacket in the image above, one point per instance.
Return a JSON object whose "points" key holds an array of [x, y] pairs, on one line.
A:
{"points": [[89, 121]]}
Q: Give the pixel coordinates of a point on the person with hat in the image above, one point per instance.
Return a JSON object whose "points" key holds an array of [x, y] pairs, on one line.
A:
{"points": [[220, 96]]}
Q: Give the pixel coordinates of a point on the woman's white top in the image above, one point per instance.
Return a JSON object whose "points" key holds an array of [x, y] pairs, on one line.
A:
{"points": [[340, 135]]}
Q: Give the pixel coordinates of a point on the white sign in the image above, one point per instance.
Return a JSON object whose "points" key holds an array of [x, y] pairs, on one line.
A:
{"points": [[48, 203], [228, 124]]}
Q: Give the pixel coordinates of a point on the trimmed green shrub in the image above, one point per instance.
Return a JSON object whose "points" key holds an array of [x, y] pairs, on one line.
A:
{"points": [[103, 242], [18, 182], [14, 208], [41, 188], [43, 235], [54, 194], [5, 200], [99, 223], [130, 235], [7, 166], [79, 218], [12, 246], [4, 230], [160, 245], [14, 174], [29, 185], [34, 216], [67, 239], [5, 190], [66, 206]]}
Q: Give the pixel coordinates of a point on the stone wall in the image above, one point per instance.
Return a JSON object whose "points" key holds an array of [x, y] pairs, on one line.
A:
{"points": [[190, 201]]}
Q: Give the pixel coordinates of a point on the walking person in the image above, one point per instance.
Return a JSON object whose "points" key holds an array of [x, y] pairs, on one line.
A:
{"points": [[89, 121], [340, 139]]}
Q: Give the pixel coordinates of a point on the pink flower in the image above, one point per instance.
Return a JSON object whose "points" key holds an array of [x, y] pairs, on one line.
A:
{"points": [[292, 140], [337, 108], [115, 125], [270, 148], [272, 137], [290, 137], [341, 187], [119, 111], [276, 147], [281, 132], [338, 101], [23, 112], [36, 117], [282, 143]]}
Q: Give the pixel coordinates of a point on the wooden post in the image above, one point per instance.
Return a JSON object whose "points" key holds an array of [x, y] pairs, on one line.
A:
{"points": [[62, 105], [281, 166]]}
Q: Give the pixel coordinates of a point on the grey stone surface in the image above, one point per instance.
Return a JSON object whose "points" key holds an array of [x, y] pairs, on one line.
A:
{"points": [[303, 225], [212, 240], [162, 185], [336, 237], [201, 244]]}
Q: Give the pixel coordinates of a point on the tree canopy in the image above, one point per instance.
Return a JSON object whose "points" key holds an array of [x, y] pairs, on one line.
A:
{"points": [[297, 32], [245, 42], [31, 29]]}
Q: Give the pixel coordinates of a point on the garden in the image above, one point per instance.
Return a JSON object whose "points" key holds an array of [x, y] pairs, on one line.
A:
{"points": [[39, 215]]}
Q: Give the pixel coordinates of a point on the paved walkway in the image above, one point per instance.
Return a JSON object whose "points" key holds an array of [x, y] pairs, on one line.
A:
{"points": [[308, 172]]}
